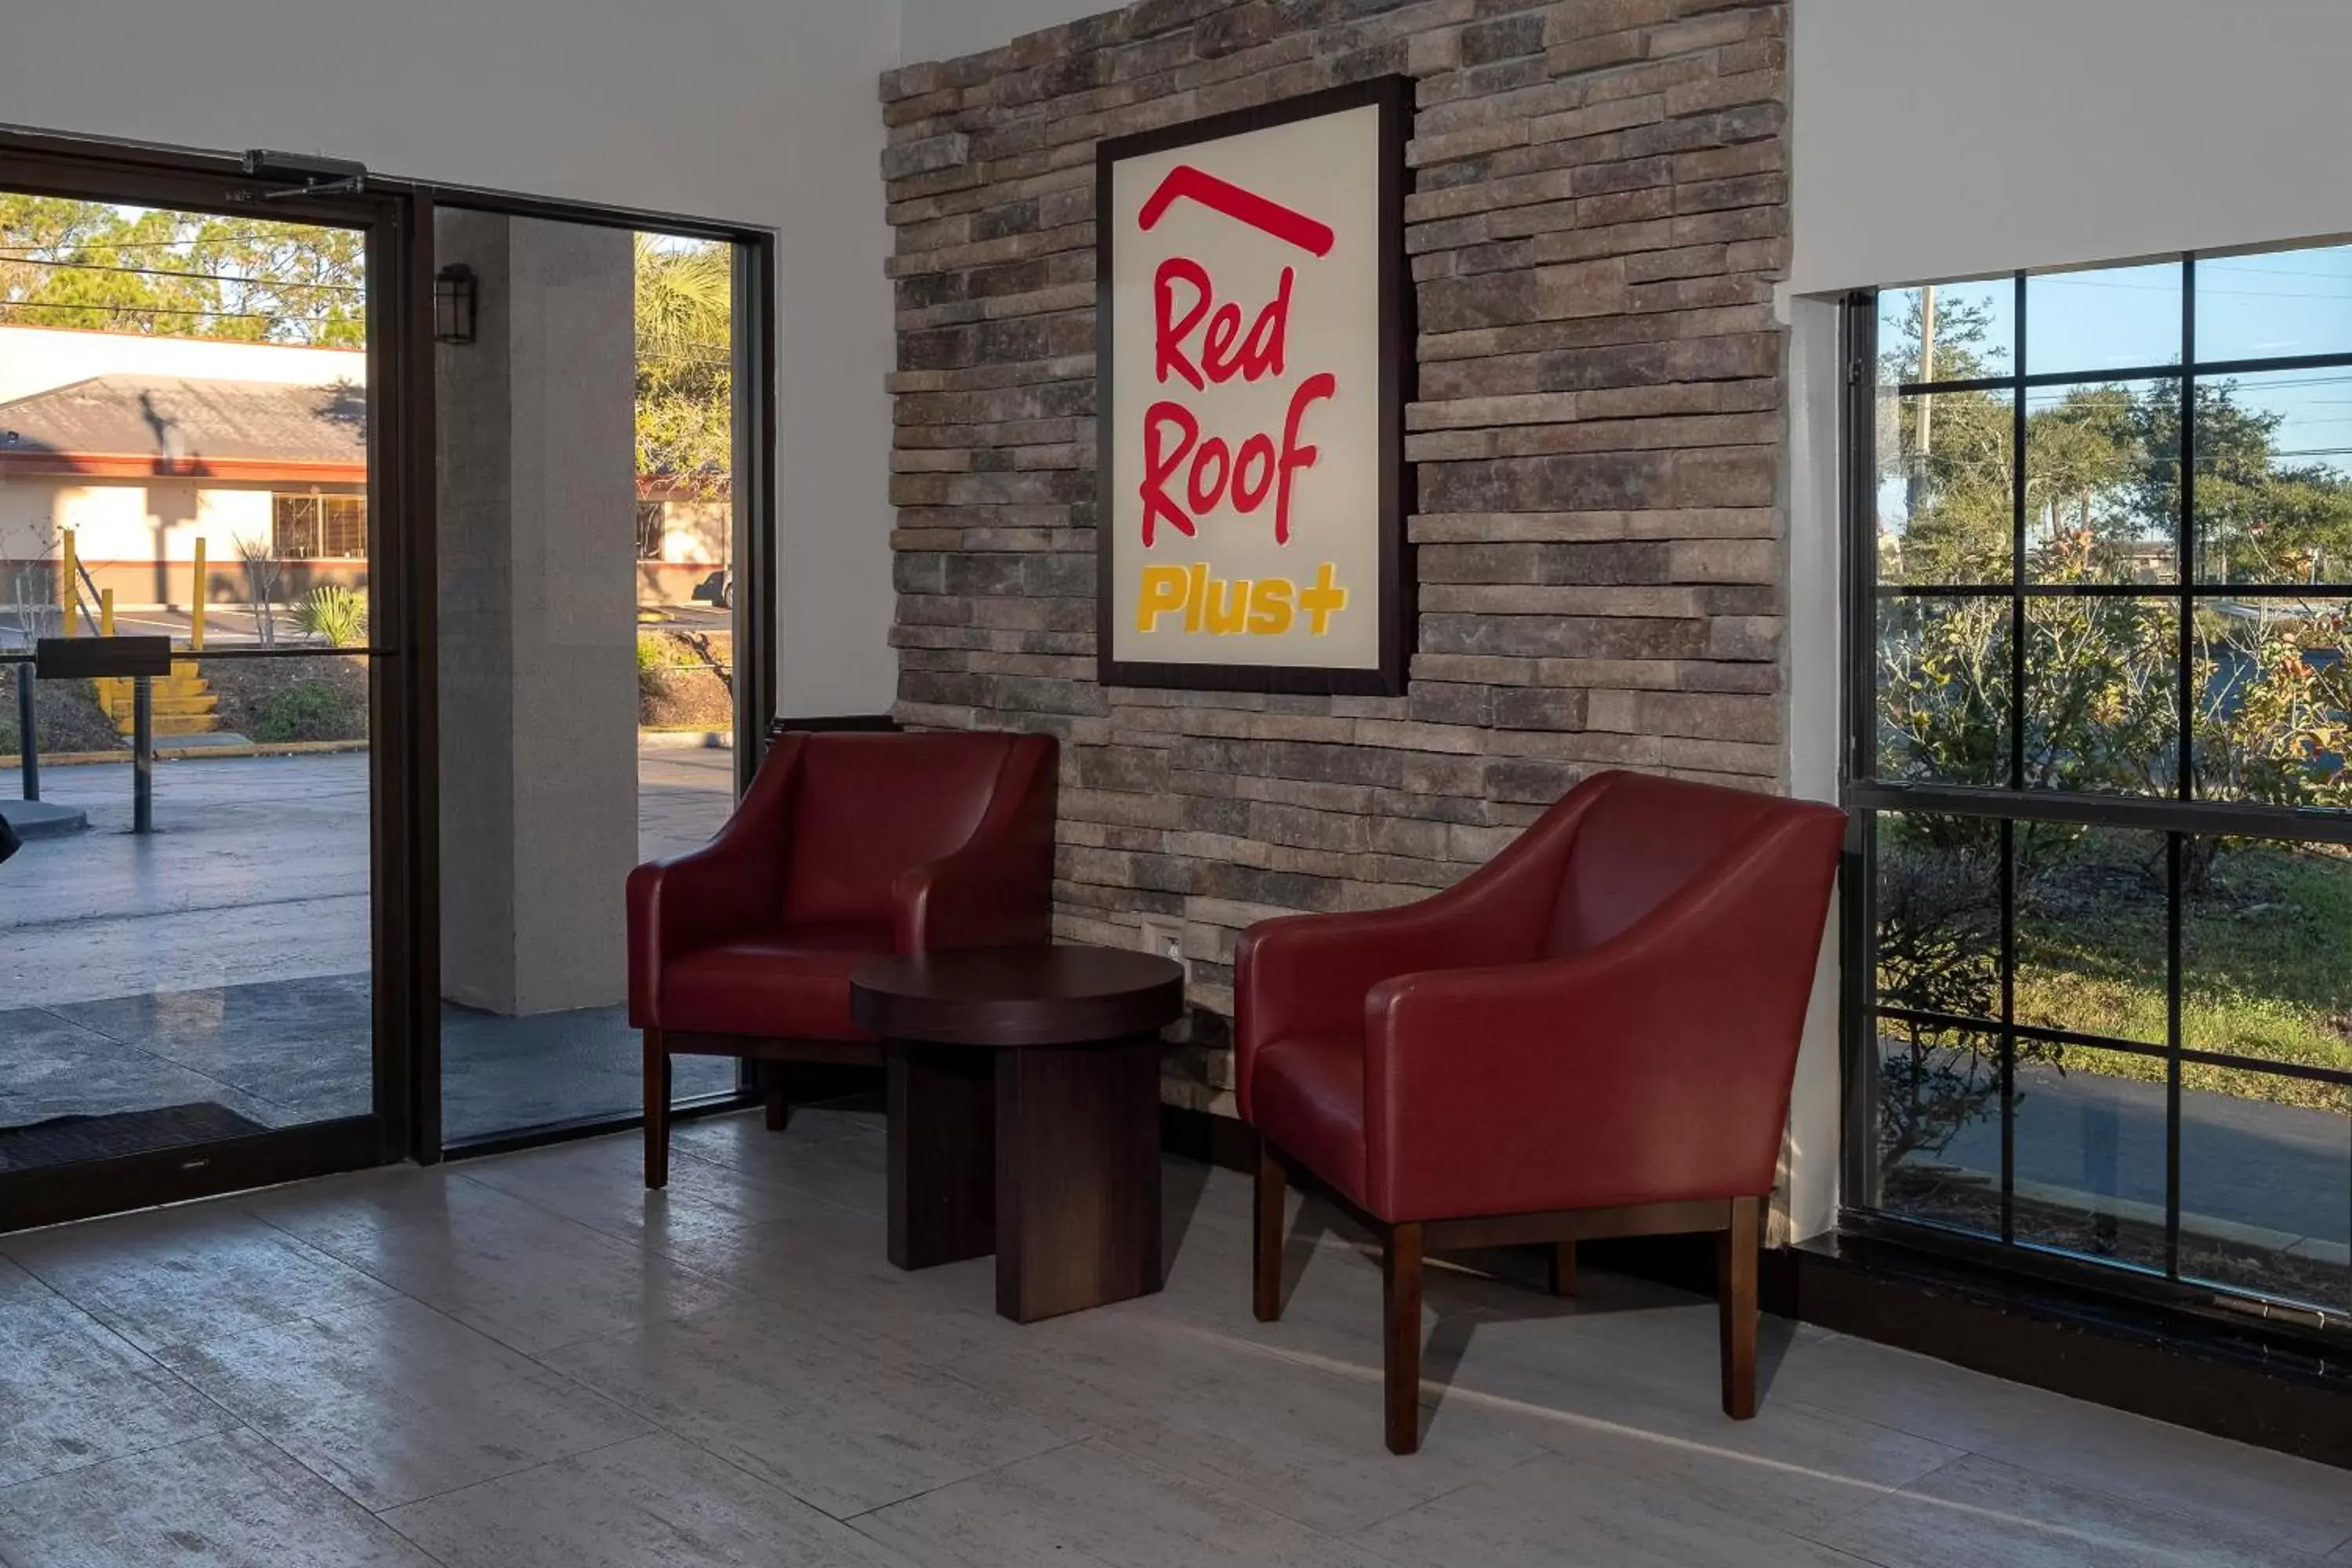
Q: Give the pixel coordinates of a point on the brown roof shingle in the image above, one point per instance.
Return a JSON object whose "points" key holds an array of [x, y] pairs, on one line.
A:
{"points": [[185, 420]]}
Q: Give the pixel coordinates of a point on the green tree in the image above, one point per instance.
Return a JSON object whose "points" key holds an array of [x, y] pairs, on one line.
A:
{"points": [[1944, 456], [2262, 515], [179, 274], [685, 363], [68, 263]]}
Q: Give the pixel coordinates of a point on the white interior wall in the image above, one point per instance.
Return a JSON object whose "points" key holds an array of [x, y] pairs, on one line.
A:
{"points": [[757, 111], [943, 29], [1810, 495], [1935, 140]]}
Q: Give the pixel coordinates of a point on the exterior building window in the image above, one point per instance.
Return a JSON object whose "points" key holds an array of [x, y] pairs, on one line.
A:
{"points": [[319, 527], [653, 526], [2099, 752]]}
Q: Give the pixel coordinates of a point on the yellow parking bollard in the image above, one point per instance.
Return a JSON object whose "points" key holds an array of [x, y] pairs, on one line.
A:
{"points": [[196, 604], [65, 594], [111, 691]]}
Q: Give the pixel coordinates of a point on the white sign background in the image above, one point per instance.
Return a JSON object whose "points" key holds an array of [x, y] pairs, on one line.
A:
{"points": [[1328, 168]]}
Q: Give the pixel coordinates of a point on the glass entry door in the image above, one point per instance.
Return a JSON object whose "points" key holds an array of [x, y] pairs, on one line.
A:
{"points": [[191, 993]]}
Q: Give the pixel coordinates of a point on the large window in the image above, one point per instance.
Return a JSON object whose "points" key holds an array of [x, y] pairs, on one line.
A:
{"points": [[2101, 961]]}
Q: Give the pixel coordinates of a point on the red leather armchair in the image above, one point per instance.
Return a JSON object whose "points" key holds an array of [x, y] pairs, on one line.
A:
{"points": [[1592, 1035], [847, 847]]}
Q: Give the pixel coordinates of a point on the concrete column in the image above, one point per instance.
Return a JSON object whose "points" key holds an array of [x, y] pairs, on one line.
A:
{"points": [[538, 635]]}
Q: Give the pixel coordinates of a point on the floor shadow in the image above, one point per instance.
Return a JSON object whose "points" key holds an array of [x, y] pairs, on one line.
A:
{"points": [[1448, 1338], [1775, 1336], [1467, 1290], [1316, 1219], [1182, 1185], [1513, 1285]]}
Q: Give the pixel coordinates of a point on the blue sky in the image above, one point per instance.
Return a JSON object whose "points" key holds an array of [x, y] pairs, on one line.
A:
{"points": [[2248, 307]]}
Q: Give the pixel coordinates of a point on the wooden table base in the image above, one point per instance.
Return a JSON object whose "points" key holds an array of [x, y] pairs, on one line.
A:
{"points": [[1046, 1155]]}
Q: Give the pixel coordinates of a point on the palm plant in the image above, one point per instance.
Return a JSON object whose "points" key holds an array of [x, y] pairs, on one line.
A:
{"points": [[685, 354], [334, 615]]}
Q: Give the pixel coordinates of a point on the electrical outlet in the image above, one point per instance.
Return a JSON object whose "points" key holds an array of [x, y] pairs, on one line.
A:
{"points": [[1166, 938]]}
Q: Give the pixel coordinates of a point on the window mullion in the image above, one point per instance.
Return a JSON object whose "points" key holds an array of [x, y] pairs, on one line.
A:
{"points": [[2018, 708], [2008, 1031], [2017, 469], [2176, 890]]}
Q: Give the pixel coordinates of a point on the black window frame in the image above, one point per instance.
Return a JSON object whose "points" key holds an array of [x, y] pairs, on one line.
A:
{"points": [[311, 534], [2179, 816]]}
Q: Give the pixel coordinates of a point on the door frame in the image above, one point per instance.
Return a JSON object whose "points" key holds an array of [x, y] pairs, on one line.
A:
{"points": [[38, 163], [755, 616], [405, 738]]}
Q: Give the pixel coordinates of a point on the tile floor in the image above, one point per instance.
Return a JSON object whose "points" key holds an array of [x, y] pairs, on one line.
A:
{"points": [[531, 1360]]}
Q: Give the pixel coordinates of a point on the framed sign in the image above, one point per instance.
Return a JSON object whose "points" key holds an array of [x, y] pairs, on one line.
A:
{"points": [[1252, 344]]}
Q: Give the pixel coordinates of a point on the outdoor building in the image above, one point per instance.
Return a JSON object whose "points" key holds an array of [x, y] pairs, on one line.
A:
{"points": [[146, 447], [684, 537]]}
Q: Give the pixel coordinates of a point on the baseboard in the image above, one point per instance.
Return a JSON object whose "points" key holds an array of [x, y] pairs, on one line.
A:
{"points": [[2152, 1361], [861, 722], [591, 1127]]}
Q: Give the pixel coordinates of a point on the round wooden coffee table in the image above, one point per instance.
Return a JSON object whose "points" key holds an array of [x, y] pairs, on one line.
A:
{"points": [[1024, 1115]]}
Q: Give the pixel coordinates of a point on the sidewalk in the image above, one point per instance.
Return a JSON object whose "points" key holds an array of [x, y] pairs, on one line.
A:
{"points": [[225, 958], [2274, 1175]]}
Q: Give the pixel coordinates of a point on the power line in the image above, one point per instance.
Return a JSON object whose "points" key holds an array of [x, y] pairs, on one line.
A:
{"points": [[171, 272], [289, 233], [163, 311], [2342, 277], [2249, 386]]}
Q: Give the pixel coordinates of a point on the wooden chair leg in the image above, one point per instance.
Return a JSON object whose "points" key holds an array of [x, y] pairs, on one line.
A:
{"points": [[1400, 1291], [772, 1085], [1563, 1269], [656, 1110], [1267, 1253], [1736, 1263]]}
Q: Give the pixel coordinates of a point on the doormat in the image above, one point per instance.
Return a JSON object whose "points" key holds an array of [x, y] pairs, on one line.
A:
{"points": [[71, 1139]]}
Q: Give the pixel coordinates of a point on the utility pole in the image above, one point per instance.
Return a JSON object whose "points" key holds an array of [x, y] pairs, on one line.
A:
{"points": [[1917, 496]]}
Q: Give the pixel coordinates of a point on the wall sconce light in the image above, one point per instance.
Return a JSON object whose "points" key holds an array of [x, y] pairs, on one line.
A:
{"points": [[455, 291]]}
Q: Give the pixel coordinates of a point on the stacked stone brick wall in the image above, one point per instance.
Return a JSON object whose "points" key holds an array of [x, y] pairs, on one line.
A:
{"points": [[1598, 212]]}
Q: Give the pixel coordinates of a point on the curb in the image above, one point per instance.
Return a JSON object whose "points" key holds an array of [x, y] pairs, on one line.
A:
{"points": [[653, 740], [190, 753], [687, 740], [42, 819]]}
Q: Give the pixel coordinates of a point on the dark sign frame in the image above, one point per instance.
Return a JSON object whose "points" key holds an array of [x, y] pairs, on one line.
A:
{"points": [[1398, 612]]}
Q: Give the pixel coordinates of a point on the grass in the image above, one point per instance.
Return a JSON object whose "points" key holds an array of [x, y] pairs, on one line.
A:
{"points": [[2266, 960], [659, 650]]}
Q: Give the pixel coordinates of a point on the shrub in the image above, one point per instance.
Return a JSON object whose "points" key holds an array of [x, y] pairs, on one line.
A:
{"points": [[334, 614], [658, 651], [311, 710]]}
